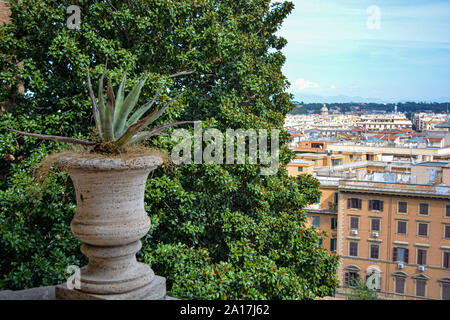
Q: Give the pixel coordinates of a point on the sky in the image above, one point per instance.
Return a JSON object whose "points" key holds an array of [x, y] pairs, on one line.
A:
{"points": [[393, 50]]}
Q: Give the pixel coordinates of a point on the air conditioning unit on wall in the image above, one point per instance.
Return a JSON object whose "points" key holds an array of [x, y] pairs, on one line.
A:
{"points": [[401, 265], [375, 234], [354, 232], [421, 268]]}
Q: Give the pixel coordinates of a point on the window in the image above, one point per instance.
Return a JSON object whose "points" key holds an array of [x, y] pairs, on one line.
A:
{"points": [[446, 263], [354, 223], [333, 223], [300, 169], [336, 197], [420, 287], [400, 254], [423, 209], [351, 278], [447, 210], [375, 225], [447, 231], [375, 205], [421, 257], [445, 291], [316, 221], [402, 207], [333, 244], [353, 249], [422, 230], [400, 285], [401, 227], [320, 241], [374, 251], [354, 203]]}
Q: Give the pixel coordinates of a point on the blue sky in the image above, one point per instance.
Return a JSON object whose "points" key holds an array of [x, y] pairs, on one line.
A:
{"points": [[337, 47]]}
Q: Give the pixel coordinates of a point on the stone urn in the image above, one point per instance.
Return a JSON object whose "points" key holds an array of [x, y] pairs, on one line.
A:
{"points": [[110, 221]]}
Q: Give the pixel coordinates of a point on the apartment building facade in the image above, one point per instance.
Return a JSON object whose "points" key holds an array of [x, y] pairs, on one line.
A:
{"points": [[399, 232], [323, 215]]}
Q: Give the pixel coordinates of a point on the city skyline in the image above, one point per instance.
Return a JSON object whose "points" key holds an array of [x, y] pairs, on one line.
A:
{"points": [[341, 49]]}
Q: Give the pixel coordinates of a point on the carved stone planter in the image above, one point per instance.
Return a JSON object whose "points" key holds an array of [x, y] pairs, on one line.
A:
{"points": [[110, 221]]}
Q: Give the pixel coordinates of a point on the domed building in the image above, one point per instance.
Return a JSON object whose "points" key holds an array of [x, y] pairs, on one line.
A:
{"points": [[324, 110]]}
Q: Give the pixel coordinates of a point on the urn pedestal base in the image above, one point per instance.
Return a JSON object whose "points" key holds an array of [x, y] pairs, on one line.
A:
{"points": [[155, 290]]}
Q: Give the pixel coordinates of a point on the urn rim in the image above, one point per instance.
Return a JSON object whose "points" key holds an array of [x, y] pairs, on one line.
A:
{"points": [[95, 162]]}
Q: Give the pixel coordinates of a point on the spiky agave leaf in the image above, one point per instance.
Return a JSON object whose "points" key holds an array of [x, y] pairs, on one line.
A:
{"points": [[120, 96], [101, 101], [108, 124], [142, 124], [95, 109], [144, 135], [128, 104], [55, 138], [142, 110]]}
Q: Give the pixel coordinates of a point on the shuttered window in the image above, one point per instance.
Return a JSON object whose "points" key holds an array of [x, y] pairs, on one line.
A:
{"points": [[400, 255], [423, 209], [333, 245], [353, 249], [447, 210], [316, 221], [374, 251], [351, 278], [400, 285], [354, 222], [354, 203], [376, 205], [403, 207], [423, 229], [447, 232], [420, 287], [375, 225], [421, 257], [401, 227], [446, 260], [333, 223], [445, 291]]}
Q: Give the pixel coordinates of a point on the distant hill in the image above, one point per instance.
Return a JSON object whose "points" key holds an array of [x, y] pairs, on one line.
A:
{"points": [[309, 98], [336, 99], [406, 107]]}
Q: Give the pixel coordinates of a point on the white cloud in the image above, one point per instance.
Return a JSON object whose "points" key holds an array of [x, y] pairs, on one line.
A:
{"points": [[333, 86], [302, 84]]}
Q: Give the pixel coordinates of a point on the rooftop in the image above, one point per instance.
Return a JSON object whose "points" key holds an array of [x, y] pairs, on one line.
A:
{"points": [[301, 161], [397, 188], [433, 164]]}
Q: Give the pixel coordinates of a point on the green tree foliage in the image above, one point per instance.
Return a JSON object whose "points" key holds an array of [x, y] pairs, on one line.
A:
{"points": [[361, 292], [218, 231]]}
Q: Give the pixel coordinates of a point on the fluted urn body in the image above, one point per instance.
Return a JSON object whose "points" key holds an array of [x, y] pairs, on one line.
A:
{"points": [[110, 221]]}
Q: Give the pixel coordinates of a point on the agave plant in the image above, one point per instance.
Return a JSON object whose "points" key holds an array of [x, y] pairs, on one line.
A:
{"points": [[115, 126]]}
